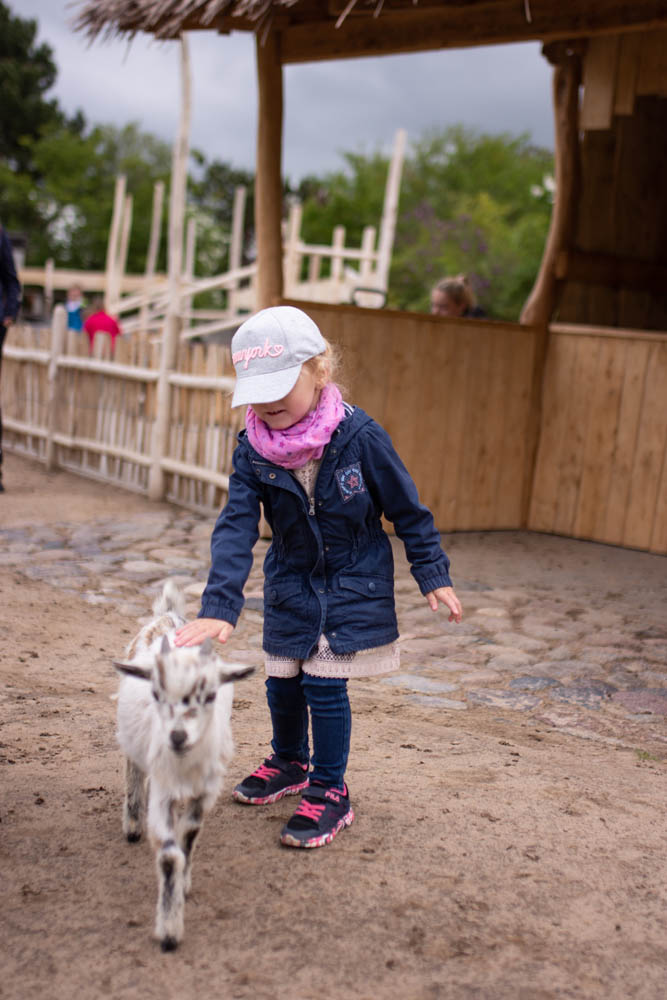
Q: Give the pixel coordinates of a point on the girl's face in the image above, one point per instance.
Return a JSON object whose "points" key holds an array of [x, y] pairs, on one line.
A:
{"points": [[294, 406], [443, 305]]}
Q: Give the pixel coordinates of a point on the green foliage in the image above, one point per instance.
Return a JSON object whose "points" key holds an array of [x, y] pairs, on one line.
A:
{"points": [[27, 72], [470, 203]]}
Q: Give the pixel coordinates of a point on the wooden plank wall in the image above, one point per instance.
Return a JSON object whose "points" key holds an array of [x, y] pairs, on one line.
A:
{"points": [[618, 270], [455, 396], [601, 470]]}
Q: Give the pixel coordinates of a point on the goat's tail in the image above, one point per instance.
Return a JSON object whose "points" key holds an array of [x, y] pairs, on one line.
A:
{"points": [[171, 599]]}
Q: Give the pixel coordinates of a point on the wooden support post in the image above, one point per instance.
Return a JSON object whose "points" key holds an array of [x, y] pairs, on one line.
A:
{"points": [[172, 323], [114, 237], [58, 334], [540, 304], [268, 182]]}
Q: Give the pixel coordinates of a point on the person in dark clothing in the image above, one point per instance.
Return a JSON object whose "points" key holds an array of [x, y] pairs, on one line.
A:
{"points": [[10, 291], [454, 297]]}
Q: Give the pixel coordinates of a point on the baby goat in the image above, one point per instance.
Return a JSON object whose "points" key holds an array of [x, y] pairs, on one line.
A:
{"points": [[174, 707]]}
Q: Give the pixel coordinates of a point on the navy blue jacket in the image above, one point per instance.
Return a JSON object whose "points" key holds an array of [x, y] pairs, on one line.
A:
{"points": [[330, 566], [9, 284]]}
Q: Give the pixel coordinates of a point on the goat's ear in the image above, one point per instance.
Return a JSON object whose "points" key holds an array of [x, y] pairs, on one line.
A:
{"points": [[132, 670], [234, 672], [206, 647], [165, 647]]}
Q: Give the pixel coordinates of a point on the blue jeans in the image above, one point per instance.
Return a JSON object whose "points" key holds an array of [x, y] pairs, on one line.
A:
{"points": [[290, 699]]}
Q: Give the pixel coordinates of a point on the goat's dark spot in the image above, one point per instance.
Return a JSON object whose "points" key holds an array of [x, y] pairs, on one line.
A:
{"points": [[169, 944], [190, 838]]}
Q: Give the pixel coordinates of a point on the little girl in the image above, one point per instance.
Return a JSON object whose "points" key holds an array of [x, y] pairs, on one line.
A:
{"points": [[325, 472]]}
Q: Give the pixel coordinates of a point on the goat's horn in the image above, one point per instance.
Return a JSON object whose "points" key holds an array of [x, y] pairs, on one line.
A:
{"points": [[165, 647], [206, 647]]}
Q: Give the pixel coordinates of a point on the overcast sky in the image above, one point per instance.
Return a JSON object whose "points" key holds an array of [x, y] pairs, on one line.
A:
{"points": [[330, 107]]}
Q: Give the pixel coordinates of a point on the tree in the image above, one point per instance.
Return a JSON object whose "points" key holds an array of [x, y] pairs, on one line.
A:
{"points": [[27, 72], [469, 202]]}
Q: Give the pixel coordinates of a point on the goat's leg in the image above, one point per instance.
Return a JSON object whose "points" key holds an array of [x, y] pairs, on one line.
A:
{"points": [[190, 827], [134, 807], [170, 863], [169, 920]]}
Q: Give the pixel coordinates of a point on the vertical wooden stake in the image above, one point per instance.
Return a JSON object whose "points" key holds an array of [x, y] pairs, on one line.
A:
{"points": [[189, 272], [292, 255], [48, 286], [151, 256], [268, 182], [236, 245], [390, 211], [58, 334], [172, 321], [114, 236]]}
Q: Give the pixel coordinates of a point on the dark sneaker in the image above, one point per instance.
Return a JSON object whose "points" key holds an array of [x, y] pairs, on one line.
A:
{"points": [[319, 816], [272, 779]]}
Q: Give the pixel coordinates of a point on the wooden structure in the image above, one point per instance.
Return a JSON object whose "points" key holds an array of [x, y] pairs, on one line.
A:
{"points": [[589, 459], [556, 426], [614, 46]]}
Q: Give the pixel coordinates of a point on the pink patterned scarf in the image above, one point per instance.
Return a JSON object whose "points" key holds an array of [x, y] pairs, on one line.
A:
{"points": [[307, 439]]}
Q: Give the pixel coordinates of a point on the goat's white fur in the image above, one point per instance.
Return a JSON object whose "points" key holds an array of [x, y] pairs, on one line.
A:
{"points": [[174, 707]]}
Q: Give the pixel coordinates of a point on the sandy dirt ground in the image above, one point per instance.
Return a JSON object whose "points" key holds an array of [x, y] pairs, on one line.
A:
{"points": [[499, 852]]}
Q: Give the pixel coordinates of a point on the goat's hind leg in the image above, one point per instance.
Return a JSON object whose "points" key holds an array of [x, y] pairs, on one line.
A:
{"points": [[134, 807]]}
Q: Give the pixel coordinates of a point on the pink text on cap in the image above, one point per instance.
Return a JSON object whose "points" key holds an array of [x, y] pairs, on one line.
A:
{"points": [[250, 353]]}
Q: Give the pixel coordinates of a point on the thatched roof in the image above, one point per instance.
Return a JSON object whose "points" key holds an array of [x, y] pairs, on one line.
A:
{"points": [[167, 18], [330, 29]]}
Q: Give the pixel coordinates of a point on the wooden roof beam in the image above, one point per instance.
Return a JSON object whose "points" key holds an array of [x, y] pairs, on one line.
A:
{"points": [[452, 26]]}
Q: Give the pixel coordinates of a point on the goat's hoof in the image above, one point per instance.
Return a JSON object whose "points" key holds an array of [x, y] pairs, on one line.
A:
{"points": [[169, 944], [133, 836]]}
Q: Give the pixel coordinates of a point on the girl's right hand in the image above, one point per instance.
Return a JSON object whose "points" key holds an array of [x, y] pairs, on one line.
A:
{"points": [[194, 633]]}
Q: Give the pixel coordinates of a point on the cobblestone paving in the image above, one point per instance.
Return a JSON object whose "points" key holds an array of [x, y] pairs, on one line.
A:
{"points": [[571, 633]]}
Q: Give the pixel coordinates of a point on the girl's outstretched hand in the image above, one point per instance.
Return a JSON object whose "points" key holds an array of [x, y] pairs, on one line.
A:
{"points": [[446, 596], [194, 633]]}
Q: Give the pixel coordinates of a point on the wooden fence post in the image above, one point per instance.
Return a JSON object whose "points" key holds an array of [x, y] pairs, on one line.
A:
{"points": [[58, 334]]}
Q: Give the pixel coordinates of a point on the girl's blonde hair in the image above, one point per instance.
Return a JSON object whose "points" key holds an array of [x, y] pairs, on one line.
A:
{"points": [[326, 367], [458, 290]]}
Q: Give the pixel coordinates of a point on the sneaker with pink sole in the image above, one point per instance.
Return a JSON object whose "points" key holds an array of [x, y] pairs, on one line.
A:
{"points": [[272, 780], [321, 814]]}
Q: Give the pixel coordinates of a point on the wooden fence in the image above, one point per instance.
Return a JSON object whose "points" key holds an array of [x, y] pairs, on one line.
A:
{"points": [[494, 436], [601, 469], [97, 417], [457, 398]]}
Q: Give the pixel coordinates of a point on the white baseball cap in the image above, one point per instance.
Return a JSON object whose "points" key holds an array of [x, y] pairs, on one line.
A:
{"points": [[268, 351]]}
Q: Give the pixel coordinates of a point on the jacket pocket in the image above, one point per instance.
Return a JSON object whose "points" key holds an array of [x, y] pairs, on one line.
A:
{"points": [[367, 586], [276, 592]]}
